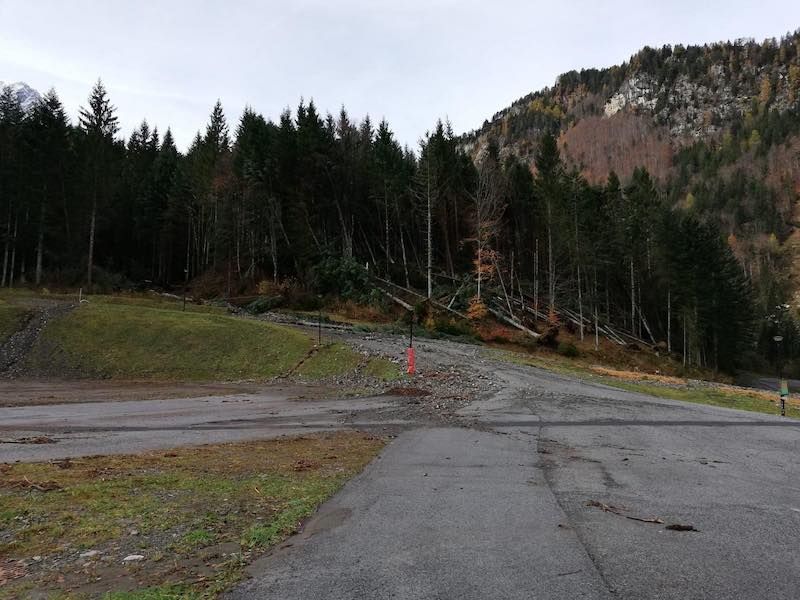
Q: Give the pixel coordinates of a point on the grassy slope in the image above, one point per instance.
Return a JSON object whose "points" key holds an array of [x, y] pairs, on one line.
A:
{"points": [[118, 338], [10, 320], [723, 396], [187, 506], [707, 393]]}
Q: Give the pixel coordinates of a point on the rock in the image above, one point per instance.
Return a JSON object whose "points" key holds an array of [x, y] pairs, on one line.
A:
{"points": [[133, 558], [36, 558], [133, 532], [89, 553]]}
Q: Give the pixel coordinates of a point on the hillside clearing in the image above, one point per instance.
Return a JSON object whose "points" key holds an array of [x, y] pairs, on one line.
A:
{"points": [[118, 339]]}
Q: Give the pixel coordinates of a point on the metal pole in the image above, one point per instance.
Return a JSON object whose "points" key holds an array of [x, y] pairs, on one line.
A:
{"points": [[780, 379], [778, 339], [319, 328]]}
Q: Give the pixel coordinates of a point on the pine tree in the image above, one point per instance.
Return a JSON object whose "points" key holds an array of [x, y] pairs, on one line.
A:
{"points": [[99, 124]]}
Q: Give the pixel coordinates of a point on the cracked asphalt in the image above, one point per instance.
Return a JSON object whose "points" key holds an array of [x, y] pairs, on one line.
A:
{"points": [[564, 489], [538, 486]]}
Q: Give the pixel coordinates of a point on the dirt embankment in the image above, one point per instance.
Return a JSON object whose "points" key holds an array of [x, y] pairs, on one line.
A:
{"points": [[20, 343]]}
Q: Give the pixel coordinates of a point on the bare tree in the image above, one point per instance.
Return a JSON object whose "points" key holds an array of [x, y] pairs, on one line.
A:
{"points": [[488, 207]]}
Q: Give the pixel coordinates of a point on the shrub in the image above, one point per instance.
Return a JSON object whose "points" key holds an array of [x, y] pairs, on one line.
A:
{"points": [[568, 349], [343, 277], [477, 310], [454, 327], [264, 304]]}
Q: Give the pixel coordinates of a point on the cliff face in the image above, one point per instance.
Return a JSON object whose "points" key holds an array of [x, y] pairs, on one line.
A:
{"points": [[718, 126], [678, 96]]}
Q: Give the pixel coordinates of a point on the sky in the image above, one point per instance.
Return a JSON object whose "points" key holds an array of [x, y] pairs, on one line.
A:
{"points": [[410, 61]]}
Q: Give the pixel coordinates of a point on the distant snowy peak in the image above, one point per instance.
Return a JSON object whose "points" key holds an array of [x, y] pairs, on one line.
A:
{"points": [[27, 96]]}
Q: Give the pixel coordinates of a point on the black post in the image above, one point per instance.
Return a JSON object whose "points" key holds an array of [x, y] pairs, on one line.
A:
{"points": [[780, 378], [319, 328], [778, 339], [411, 331]]}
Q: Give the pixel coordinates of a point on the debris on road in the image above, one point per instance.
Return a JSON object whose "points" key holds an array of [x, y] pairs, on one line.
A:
{"points": [[680, 527], [37, 439], [621, 512]]}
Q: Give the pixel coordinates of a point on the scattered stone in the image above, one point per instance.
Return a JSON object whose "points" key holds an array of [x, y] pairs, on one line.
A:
{"points": [[133, 558], [89, 554]]}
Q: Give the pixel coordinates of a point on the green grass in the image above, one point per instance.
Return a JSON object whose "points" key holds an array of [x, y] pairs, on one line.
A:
{"points": [[167, 592], [11, 319], [154, 301], [245, 496], [709, 394], [330, 360], [723, 397], [116, 338], [383, 369]]}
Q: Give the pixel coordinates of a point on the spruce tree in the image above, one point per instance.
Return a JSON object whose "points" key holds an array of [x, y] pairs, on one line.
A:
{"points": [[99, 124]]}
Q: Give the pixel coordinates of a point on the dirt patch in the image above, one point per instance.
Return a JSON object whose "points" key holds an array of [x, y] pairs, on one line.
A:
{"points": [[404, 392], [41, 392], [20, 343], [637, 376], [10, 570]]}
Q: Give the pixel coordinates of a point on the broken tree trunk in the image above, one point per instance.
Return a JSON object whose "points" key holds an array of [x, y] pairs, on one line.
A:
{"points": [[399, 301], [514, 323]]}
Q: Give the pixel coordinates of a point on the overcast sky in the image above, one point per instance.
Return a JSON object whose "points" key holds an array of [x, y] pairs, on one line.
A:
{"points": [[410, 61]]}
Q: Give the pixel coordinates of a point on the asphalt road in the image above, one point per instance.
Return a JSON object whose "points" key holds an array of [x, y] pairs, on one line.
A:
{"points": [[546, 487], [128, 426], [566, 490]]}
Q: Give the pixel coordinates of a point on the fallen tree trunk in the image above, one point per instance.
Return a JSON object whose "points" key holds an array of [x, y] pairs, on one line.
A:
{"points": [[513, 323], [399, 301]]}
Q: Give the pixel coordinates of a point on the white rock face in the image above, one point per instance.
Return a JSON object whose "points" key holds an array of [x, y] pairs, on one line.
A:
{"points": [[27, 96], [693, 108], [638, 91]]}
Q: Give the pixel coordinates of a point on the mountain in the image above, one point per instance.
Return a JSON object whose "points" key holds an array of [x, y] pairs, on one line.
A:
{"points": [[717, 126], [26, 95]]}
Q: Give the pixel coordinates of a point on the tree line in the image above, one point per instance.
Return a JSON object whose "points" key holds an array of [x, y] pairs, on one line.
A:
{"points": [[80, 206]]}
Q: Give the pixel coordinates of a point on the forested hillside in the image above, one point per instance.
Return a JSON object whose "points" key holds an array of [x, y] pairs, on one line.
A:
{"points": [[607, 195], [717, 128]]}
